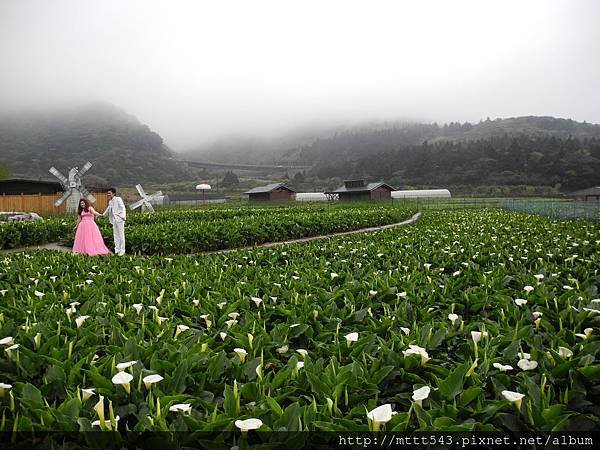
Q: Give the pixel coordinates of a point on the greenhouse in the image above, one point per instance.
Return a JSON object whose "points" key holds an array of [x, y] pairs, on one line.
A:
{"points": [[421, 193], [311, 197]]}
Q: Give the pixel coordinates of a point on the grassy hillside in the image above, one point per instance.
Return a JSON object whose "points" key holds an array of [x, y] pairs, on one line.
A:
{"points": [[122, 150]]}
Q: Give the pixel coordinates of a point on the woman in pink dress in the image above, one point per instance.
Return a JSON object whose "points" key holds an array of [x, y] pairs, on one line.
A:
{"points": [[88, 240]]}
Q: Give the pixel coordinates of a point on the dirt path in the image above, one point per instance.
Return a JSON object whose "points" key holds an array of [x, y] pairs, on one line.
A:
{"points": [[413, 219], [410, 221], [52, 246]]}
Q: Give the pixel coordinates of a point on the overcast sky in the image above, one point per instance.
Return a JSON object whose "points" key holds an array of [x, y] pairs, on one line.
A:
{"points": [[199, 70]]}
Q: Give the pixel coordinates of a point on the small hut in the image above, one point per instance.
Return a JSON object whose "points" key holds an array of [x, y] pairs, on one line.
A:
{"points": [[275, 192], [588, 195], [17, 186], [360, 190]]}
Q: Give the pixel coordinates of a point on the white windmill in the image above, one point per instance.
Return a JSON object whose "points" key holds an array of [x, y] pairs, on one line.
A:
{"points": [[73, 188], [146, 199]]}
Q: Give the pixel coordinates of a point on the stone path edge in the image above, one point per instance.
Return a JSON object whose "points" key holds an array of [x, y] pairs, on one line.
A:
{"points": [[410, 221]]}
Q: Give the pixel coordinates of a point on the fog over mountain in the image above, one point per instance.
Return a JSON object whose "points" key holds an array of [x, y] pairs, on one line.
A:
{"points": [[201, 72]]}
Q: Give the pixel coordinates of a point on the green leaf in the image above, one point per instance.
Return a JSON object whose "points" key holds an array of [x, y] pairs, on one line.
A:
{"points": [[468, 395], [179, 377], [380, 374], [422, 415], [98, 380], [230, 402], [452, 386], [31, 395], [289, 419], [70, 407], [216, 366], [274, 406], [591, 372]]}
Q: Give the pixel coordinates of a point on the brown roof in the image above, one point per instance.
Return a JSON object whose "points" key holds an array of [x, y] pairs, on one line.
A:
{"points": [[368, 188]]}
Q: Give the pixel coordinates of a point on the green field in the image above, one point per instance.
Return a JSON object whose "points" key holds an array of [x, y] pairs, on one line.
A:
{"points": [[425, 318], [196, 230]]}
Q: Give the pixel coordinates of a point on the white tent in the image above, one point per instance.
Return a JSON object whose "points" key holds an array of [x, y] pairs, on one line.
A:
{"points": [[311, 197], [421, 193]]}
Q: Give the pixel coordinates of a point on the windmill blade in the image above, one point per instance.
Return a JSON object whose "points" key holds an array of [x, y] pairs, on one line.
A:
{"points": [[154, 196], [87, 194], [54, 171], [85, 168], [65, 196], [140, 190], [148, 207], [137, 204]]}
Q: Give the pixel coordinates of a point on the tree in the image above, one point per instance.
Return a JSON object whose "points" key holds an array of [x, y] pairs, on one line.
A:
{"points": [[4, 173], [299, 177], [230, 179]]}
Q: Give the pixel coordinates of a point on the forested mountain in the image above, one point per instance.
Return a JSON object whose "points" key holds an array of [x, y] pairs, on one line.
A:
{"points": [[122, 150], [360, 143], [540, 151], [565, 163]]}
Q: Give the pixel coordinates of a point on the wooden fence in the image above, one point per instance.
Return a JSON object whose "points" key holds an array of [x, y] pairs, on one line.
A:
{"points": [[44, 204]]}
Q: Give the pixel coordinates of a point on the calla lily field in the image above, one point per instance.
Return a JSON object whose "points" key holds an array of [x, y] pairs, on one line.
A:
{"points": [[466, 320], [189, 231]]}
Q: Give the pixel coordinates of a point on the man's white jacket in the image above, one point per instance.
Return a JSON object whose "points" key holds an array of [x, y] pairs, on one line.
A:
{"points": [[116, 210]]}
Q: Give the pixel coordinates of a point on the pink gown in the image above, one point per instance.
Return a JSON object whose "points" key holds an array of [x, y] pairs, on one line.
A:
{"points": [[88, 240]]}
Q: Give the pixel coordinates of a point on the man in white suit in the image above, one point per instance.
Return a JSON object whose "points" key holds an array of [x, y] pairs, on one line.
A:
{"points": [[117, 214]]}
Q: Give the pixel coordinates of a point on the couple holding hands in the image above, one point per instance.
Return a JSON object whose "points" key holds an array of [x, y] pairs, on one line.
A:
{"points": [[88, 240]]}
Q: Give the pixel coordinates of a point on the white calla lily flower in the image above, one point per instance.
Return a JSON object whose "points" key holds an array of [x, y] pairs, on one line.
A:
{"points": [[303, 353], [421, 394], [241, 354], [526, 364], [564, 352], [248, 424], [11, 348], [477, 335], [3, 388], [380, 415], [514, 397], [9, 340], [181, 407], [123, 379], [282, 350], [416, 350], [503, 367], [79, 320], [351, 337], [125, 365], [151, 379], [87, 393]]}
